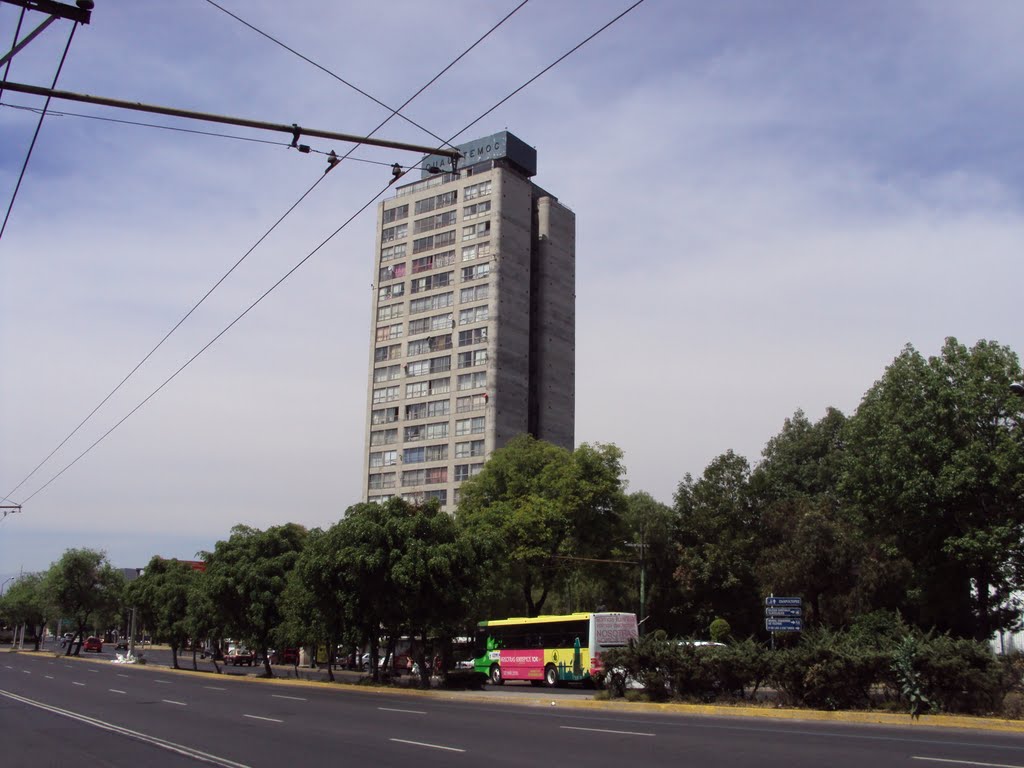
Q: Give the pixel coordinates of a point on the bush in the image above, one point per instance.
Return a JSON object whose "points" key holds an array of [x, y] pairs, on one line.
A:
{"points": [[827, 670], [961, 676]]}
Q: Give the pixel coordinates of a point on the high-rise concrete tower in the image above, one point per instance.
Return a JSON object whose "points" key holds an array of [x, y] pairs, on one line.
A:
{"points": [[473, 324]]}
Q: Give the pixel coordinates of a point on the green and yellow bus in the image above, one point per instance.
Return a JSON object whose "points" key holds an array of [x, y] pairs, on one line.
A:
{"points": [[549, 649]]}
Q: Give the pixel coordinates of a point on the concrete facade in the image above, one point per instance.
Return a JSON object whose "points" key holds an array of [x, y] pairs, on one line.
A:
{"points": [[472, 325]]}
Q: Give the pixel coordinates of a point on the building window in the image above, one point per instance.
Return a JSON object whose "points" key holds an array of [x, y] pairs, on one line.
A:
{"points": [[391, 273], [413, 477], [382, 480], [384, 436], [391, 352], [433, 261], [433, 365], [432, 409], [476, 272], [386, 292], [437, 431], [473, 315], [430, 344], [472, 358], [390, 312], [383, 458], [438, 201], [473, 293], [388, 373], [383, 415], [470, 403], [473, 336], [477, 190], [476, 210], [427, 303], [437, 475], [436, 323], [440, 240], [441, 496], [440, 280], [469, 449], [471, 380], [392, 252], [475, 251], [473, 426], [426, 388], [473, 231], [397, 213], [431, 223], [386, 332], [385, 394], [393, 233]]}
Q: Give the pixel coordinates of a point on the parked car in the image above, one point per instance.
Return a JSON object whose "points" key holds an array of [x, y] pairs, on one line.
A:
{"points": [[93, 643], [285, 656], [239, 655]]}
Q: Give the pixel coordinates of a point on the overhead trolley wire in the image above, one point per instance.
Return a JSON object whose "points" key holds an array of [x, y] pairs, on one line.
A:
{"points": [[309, 255], [237, 263], [14, 44], [324, 69], [39, 125]]}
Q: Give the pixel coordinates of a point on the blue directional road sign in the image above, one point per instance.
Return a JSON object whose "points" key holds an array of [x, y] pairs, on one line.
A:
{"points": [[783, 625], [783, 613], [790, 602]]}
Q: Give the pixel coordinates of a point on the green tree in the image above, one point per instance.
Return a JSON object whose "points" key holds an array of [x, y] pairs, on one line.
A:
{"points": [[26, 602], [651, 532], [245, 579], [718, 542], [934, 465], [810, 547], [535, 506], [435, 573], [84, 588], [160, 596]]}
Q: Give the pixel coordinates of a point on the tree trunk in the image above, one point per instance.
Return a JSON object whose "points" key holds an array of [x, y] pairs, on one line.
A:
{"points": [[195, 667], [266, 662], [174, 656], [422, 661], [330, 659]]}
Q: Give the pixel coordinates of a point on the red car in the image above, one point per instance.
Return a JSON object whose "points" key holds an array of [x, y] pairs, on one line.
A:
{"points": [[93, 643]]}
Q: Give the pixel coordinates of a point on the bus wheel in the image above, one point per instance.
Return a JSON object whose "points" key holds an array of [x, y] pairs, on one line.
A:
{"points": [[550, 676], [496, 678]]}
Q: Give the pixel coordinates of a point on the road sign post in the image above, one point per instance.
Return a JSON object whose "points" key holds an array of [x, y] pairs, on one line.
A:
{"points": [[783, 614]]}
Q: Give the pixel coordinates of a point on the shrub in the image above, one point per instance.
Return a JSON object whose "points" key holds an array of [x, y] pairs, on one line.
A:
{"points": [[960, 676]]}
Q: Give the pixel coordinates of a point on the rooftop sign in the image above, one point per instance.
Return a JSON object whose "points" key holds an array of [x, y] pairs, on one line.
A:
{"points": [[503, 145]]}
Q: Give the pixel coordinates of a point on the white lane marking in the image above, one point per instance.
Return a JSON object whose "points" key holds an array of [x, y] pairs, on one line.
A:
{"points": [[964, 762], [120, 675], [170, 746], [25, 671], [165, 682], [48, 677], [8, 666], [114, 690], [93, 671], [407, 711], [270, 719], [213, 688], [431, 746], [177, 703], [604, 730], [74, 683], [292, 698]]}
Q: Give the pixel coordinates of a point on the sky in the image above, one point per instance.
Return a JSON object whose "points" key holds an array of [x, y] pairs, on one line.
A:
{"points": [[771, 199]]}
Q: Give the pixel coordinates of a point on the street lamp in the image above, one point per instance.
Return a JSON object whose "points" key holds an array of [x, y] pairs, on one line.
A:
{"points": [[8, 581], [1017, 388]]}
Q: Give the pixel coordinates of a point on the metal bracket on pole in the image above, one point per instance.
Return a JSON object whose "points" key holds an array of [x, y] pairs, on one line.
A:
{"points": [[81, 11], [9, 509]]}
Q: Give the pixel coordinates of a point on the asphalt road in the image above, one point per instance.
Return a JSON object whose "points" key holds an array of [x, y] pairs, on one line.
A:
{"points": [[63, 712]]}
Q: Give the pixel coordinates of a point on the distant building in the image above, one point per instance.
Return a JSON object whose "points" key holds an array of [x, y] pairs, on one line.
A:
{"points": [[473, 323]]}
